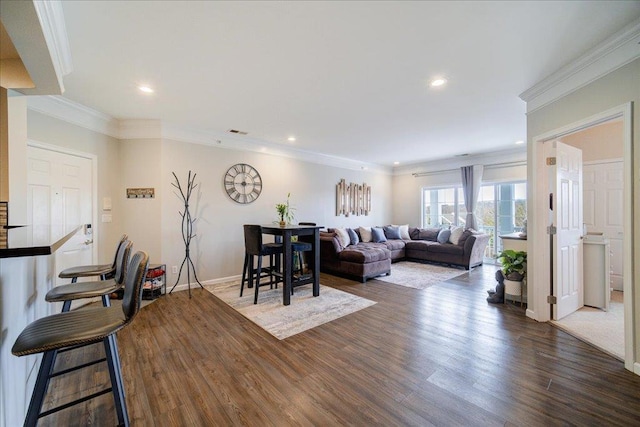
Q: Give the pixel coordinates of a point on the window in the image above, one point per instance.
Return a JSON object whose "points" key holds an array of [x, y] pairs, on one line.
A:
{"points": [[443, 207], [501, 209]]}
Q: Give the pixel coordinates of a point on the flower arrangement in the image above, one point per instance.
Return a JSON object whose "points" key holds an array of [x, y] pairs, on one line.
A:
{"points": [[285, 211]]}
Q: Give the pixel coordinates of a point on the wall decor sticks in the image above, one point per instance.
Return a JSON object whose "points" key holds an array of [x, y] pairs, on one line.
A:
{"points": [[353, 198]]}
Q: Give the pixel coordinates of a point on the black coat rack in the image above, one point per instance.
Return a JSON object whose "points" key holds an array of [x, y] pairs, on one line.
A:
{"points": [[187, 230]]}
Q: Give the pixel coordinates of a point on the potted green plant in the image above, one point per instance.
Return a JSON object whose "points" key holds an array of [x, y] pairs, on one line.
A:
{"points": [[285, 212], [514, 269]]}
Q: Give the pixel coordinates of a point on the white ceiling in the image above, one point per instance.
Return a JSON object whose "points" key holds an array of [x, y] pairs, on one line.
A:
{"points": [[348, 79]]}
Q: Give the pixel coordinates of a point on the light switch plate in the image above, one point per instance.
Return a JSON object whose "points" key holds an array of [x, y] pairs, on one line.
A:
{"points": [[106, 204], [106, 218]]}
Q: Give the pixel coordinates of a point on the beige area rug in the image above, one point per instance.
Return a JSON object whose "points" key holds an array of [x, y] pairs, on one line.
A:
{"points": [[419, 276], [304, 312], [603, 329]]}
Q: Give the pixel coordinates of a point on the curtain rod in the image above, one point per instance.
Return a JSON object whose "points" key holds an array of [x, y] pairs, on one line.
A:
{"points": [[491, 166]]}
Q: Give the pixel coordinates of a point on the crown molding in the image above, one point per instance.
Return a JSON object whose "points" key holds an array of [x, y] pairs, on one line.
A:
{"points": [[74, 113], [88, 118], [513, 155], [54, 29], [615, 52]]}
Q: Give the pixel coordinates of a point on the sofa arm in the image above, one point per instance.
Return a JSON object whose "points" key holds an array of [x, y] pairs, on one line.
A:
{"points": [[474, 249], [329, 246]]}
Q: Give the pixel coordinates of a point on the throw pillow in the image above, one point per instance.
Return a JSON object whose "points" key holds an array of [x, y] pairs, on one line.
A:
{"points": [[456, 232], [430, 234], [463, 238], [343, 236], [404, 231], [377, 235], [391, 232], [353, 236], [443, 235], [365, 233]]}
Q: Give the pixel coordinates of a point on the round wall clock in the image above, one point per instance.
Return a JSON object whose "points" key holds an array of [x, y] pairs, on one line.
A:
{"points": [[243, 183]]}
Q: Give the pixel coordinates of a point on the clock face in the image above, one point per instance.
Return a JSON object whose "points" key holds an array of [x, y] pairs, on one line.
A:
{"points": [[243, 183]]}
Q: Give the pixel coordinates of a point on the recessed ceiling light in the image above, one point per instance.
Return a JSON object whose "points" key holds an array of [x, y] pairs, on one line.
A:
{"points": [[291, 138], [145, 89], [437, 82], [396, 163], [520, 142]]}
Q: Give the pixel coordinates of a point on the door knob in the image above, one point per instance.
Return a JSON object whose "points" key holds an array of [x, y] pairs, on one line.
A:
{"points": [[88, 242]]}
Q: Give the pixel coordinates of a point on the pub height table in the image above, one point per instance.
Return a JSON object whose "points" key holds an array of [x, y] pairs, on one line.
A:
{"points": [[286, 233]]}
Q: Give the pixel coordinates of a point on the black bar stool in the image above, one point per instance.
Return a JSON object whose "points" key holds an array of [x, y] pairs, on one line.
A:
{"points": [[105, 271], [80, 328], [255, 247], [299, 247], [97, 288]]}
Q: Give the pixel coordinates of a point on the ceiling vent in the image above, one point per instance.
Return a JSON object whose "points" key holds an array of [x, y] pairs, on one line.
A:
{"points": [[237, 132]]}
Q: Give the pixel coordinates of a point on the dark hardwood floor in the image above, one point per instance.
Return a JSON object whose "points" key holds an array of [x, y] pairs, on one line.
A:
{"points": [[440, 356]]}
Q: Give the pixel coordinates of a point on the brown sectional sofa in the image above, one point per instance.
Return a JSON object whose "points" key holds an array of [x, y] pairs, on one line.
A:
{"points": [[362, 261]]}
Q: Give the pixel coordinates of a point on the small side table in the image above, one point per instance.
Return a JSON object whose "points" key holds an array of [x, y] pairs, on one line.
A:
{"points": [[155, 284]]}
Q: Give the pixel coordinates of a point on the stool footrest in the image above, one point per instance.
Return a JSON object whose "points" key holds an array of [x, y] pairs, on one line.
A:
{"points": [[75, 402], [75, 368]]}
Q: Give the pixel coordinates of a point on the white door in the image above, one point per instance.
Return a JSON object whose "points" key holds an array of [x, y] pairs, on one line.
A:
{"points": [[59, 198], [566, 216], [604, 207]]}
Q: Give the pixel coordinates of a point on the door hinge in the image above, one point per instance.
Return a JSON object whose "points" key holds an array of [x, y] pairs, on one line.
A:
{"points": [[552, 229], [551, 161], [551, 299]]}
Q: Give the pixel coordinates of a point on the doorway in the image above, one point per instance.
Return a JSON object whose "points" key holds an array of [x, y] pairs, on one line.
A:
{"points": [[538, 244], [60, 197], [601, 321]]}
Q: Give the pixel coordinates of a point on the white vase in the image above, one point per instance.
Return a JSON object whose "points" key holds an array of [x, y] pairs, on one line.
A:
{"points": [[513, 287]]}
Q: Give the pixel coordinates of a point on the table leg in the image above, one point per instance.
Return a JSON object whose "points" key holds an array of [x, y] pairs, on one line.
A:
{"points": [[316, 263], [287, 261]]}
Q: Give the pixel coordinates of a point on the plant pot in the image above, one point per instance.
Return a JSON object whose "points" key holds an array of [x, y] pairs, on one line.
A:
{"points": [[513, 287], [283, 224]]}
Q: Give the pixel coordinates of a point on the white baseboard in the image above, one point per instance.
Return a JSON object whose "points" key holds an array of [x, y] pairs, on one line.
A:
{"points": [[194, 285]]}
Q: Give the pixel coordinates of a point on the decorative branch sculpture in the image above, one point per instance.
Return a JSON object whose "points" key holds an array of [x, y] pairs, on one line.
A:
{"points": [[187, 229]]}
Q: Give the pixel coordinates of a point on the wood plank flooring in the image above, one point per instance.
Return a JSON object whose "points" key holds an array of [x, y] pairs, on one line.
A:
{"points": [[440, 356]]}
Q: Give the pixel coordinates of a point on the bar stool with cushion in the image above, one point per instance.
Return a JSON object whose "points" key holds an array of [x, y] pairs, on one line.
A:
{"points": [[80, 328], [255, 247], [105, 271], [97, 288]]}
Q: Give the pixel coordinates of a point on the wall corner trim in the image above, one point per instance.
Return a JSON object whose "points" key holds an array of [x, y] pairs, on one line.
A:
{"points": [[615, 52]]}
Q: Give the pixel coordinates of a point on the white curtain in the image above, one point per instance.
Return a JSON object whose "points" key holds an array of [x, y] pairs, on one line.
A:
{"points": [[471, 182]]}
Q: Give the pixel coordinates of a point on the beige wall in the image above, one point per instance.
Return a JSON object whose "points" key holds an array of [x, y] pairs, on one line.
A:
{"points": [[154, 224], [218, 248], [616, 88], [46, 129], [602, 142], [407, 189]]}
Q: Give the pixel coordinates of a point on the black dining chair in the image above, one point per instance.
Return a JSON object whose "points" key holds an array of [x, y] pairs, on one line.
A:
{"points": [[299, 247], [254, 246], [70, 330], [105, 271], [97, 288]]}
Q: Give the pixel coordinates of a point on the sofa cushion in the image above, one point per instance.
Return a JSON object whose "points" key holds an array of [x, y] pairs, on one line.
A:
{"points": [[443, 235], [353, 236], [464, 236], [377, 235], [456, 232], [364, 254], [404, 231], [391, 232], [394, 244], [365, 234], [430, 234], [446, 248], [343, 236]]}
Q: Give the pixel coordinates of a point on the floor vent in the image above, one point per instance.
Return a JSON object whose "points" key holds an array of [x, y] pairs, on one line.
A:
{"points": [[238, 132]]}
